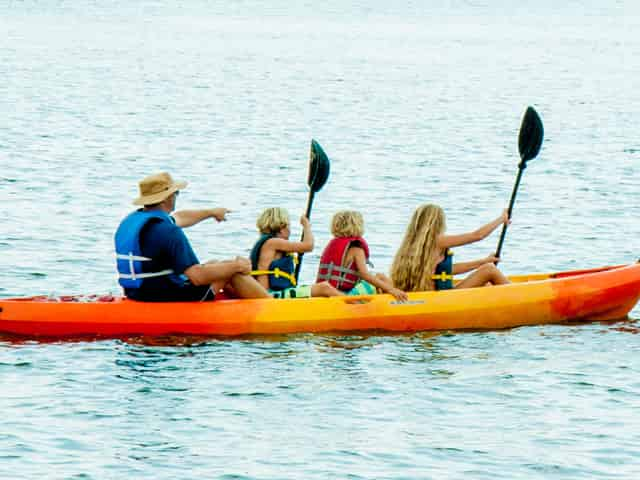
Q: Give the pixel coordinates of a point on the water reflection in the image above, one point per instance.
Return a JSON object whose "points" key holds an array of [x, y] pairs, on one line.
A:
{"points": [[325, 342]]}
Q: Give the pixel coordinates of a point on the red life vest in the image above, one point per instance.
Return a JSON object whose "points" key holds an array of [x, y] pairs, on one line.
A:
{"points": [[332, 267]]}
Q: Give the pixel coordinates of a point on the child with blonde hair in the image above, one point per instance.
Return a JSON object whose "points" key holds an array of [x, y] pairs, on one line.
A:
{"points": [[273, 257], [424, 261], [344, 260]]}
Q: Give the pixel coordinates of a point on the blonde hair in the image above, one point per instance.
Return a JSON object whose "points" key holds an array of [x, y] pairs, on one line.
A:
{"points": [[347, 223], [272, 220], [416, 258]]}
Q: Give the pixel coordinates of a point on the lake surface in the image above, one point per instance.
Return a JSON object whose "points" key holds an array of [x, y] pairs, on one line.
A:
{"points": [[413, 103]]}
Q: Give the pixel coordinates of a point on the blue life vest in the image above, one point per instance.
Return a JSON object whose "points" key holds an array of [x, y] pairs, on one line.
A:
{"points": [[280, 271], [129, 256], [443, 277]]}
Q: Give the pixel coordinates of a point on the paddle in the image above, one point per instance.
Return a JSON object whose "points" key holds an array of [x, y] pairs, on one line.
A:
{"points": [[318, 174], [529, 143]]}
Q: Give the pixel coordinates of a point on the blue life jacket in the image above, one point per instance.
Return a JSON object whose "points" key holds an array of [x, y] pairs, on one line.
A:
{"points": [[280, 271], [129, 256], [443, 277]]}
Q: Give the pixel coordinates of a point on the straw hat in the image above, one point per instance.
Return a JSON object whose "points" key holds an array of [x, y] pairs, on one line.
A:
{"points": [[155, 188]]}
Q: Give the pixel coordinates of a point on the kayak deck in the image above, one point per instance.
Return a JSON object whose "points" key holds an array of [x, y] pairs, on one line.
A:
{"points": [[597, 294]]}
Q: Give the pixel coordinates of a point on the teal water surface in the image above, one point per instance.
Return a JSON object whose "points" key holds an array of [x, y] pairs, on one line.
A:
{"points": [[414, 103]]}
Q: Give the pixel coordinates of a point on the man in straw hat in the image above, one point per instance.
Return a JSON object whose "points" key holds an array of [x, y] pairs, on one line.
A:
{"points": [[155, 260]]}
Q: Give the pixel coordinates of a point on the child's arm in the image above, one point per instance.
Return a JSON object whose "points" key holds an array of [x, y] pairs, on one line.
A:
{"points": [[448, 241], [386, 286], [464, 267], [187, 218], [306, 245]]}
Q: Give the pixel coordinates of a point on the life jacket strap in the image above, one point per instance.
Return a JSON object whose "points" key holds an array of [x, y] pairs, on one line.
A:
{"points": [[133, 275], [338, 268], [133, 257], [443, 276], [337, 278], [276, 273], [337, 273]]}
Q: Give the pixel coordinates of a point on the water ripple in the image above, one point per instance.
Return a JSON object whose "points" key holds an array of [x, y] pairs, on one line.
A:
{"points": [[413, 104]]}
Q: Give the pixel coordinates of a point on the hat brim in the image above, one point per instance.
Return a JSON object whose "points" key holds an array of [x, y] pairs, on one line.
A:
{"points": [[159, 197]]}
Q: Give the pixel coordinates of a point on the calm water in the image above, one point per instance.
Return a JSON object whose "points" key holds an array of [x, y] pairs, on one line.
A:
{"points": [[413, 103]]}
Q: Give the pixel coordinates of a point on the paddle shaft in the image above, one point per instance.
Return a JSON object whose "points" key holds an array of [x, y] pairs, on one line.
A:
{"points": [[308, 215], [521, 168]]}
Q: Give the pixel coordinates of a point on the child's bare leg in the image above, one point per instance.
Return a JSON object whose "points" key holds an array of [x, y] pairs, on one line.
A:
{"points": [[485, 273], [325, 289], [246, 286]]}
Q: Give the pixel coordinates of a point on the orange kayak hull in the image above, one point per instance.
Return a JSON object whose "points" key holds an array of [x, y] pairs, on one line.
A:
{"points": [[606, 293]]}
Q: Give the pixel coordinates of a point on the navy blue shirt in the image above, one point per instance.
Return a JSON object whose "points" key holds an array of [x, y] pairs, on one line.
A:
{"points": [[168, 246]]}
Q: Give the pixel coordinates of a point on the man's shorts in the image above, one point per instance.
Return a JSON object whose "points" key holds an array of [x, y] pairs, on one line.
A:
{"points": [[301, 291]]}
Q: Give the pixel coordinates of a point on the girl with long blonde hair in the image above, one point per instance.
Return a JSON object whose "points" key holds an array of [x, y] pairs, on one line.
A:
{"points": [[423, 261]]}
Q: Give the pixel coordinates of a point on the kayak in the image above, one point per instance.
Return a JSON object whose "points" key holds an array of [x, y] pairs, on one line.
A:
{"points": [[606, 293]]}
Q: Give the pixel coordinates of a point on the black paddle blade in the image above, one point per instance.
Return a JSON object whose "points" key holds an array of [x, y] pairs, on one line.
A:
{"points": [[531, 135], [318, 167]]}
